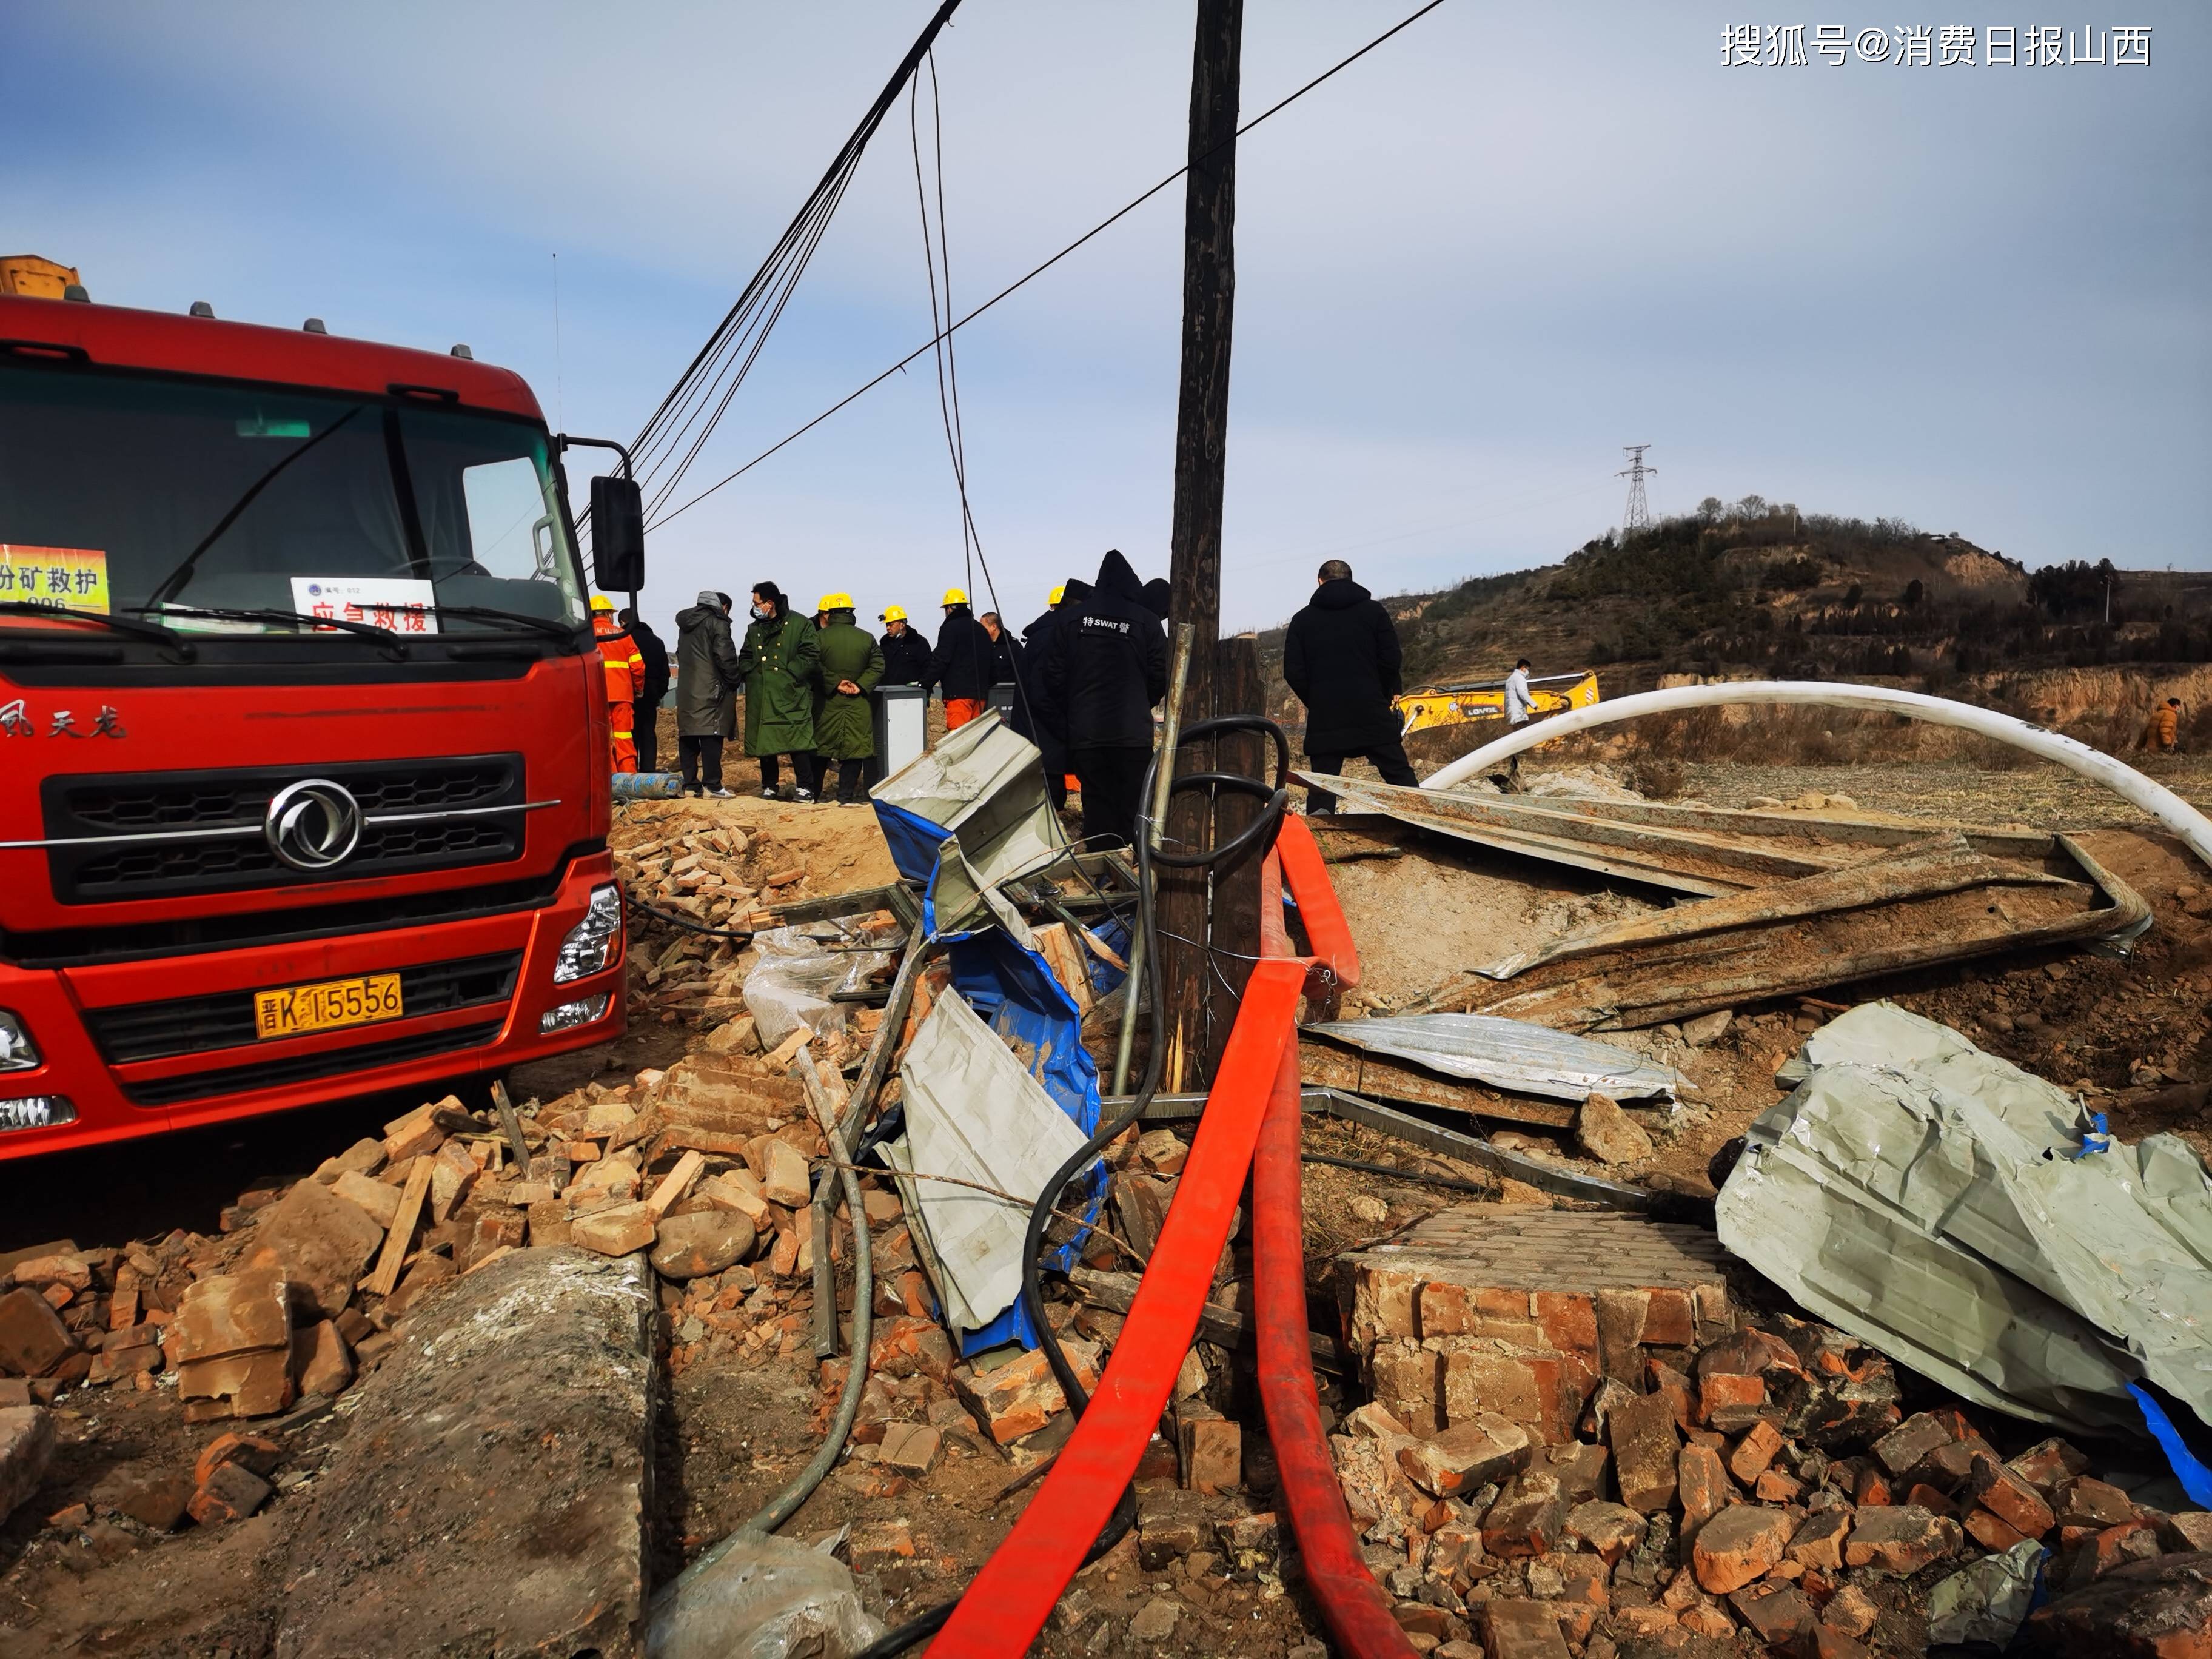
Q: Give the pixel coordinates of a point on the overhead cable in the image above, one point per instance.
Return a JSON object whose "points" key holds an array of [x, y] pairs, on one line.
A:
{"points": [[1023, 281]]}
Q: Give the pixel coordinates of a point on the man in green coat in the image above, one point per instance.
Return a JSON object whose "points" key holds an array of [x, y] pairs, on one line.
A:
{"points": [[707, 675], [848, 666], [778, 663]]}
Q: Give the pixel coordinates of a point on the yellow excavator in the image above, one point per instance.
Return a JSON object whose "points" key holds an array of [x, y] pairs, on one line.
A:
{"points": [[1484, 699], [35, 278]]}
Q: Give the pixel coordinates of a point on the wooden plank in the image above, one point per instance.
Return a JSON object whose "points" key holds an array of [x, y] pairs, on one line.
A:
{"points": [[1217, 1321], [1373, 1074], [386, 1278], [513, 1125], [673, 1185]]}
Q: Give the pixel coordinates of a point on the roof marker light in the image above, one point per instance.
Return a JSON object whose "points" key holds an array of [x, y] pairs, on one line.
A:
{"points": [[75, 291], [315, 326], [462, 351], [202, 308]]}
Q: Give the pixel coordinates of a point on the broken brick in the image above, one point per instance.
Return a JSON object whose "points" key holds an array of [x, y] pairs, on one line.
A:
{"points": [[1779, 1614], [912, 1449], [1211, 1449], [321, 1363], [1516, 1629], [1489, 1449], [1757, 1449], [2009, 1495], [1703, 1487], [2048, 1464], [258, 1452], [1611, 1529], [237, 1385], [231, 1493], [1529, 1517], [27, 1446], [616, 1231], [1900, 1539], [1640, 1429], [1902, 1449], [1739, 1545], [2082, 1501], [230, 1314], [1818, 1544]]}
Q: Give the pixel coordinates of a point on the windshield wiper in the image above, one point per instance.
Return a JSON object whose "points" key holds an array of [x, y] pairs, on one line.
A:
{"points": [[392, 642], [144, 630], [175, 581], [490, 613]]}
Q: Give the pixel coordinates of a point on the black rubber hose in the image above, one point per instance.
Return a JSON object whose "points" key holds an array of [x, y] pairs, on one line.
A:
{"points": [[685, 922]]}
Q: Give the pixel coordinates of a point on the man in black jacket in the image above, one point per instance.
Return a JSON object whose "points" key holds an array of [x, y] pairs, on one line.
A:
{"points": [[1105, 666], [646, 710], [906, 653], [1030, 715], [1340, 656], [961, 666]]}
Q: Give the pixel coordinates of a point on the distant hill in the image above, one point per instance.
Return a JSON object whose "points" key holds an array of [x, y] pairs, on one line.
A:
{"points": [[1759, 589]]}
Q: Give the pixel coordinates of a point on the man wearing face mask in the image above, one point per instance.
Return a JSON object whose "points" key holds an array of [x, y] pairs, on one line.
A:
{"points": [[779, 664]]}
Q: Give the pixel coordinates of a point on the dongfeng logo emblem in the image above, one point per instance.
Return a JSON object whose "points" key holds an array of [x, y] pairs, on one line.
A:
{"points": [[312, 824]]}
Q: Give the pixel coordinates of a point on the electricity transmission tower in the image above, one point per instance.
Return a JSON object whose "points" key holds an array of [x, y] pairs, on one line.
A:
{"points": [[1638, 516]]}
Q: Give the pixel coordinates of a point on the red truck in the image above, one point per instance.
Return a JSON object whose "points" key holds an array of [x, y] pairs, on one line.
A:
{"points": [[304, 785]]}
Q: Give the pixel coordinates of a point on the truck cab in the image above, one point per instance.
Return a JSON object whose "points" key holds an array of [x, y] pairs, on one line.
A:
{"points": [[304, 783]]}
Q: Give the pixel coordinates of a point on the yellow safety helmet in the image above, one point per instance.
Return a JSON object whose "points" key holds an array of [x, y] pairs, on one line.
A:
{"points": [[892, 613], [601, 602], [1058, 592], [835, 601], [956, 596]]}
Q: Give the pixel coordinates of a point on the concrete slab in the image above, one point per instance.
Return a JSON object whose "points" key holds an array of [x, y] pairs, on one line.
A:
{"points": [[491, 1496]]}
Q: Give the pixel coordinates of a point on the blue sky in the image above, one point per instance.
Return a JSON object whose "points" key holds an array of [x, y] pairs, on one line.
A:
{"points": [[1469, 268]]}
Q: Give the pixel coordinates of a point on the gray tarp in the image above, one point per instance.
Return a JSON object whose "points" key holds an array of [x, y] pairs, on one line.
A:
{"points": [[1508, 1053], [1920, 1193], [974, 1112], [983, 785]]}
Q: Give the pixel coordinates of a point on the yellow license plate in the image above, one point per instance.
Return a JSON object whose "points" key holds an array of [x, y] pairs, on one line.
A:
{"points": [[302, 1008]]}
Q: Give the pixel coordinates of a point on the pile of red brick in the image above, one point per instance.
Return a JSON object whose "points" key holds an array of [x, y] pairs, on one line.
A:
{"points": [[1638, 1467]]}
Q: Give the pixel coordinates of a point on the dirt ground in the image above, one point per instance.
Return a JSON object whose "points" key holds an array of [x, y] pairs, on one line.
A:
{"points": [[2131, 1032]]}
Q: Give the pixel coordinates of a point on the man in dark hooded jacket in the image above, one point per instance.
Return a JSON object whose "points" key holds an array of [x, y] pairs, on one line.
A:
{"points": [[1105, 666], [647, 709], [1340, 656], [1031, 718], [962, 663], [707, 678]]}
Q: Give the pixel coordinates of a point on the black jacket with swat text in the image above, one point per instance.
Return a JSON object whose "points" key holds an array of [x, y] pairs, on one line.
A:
{"points": [[1106, 665], [1340, 656]]}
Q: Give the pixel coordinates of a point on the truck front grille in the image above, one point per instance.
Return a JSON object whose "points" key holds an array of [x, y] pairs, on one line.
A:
{"points": [[191, 1025], [187, 833]]}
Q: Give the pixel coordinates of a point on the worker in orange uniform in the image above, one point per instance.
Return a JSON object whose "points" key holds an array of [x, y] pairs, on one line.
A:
{"points": [[2161, 733], [625, 665]]}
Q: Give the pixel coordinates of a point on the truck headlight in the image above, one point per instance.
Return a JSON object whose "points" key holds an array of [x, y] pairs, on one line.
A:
{"points": [[591, 940], [17, 1053], [35, 1112], [572, 1013]]}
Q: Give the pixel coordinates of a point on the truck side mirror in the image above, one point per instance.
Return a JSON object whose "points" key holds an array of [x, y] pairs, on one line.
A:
{"points": [[617, 535]]}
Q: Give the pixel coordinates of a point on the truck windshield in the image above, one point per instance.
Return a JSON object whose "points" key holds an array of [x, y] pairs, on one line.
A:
{"points": [[134, 495]]}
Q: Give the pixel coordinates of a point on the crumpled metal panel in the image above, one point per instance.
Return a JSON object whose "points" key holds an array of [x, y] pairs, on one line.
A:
{"points": [[1923, 1196], [1508, 1053], [968, 815]]}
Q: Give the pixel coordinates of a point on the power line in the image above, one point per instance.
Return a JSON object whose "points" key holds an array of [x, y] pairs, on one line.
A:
{"points": [[676, 431], [1022, 282]]}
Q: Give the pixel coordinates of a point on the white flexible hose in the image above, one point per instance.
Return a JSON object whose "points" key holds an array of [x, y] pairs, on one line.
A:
{"points": [[2123, 780]]}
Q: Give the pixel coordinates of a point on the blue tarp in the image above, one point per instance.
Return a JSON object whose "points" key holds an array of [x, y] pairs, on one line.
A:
{"points": [[1013, 992]]}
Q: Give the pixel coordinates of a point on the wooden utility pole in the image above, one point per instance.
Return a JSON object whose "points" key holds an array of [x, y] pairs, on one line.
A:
{"points": [[1209, 291]]}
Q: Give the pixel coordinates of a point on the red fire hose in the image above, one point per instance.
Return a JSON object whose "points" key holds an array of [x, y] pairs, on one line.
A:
{"points": [[1007, 1606], [1359, 1615]]}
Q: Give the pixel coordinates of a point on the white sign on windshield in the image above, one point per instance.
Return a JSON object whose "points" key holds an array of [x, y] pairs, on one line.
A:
{"points": [[405, 604]]}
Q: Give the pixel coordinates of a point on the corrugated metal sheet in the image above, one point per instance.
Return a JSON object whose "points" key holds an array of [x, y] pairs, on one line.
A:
{"points": [[1508, 1053]]}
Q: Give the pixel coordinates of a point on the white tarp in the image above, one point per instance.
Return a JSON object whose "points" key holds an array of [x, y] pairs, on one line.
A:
{"points": [[973, 1111], [1923, 1196], [1512, 1054], [983, 785]]}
